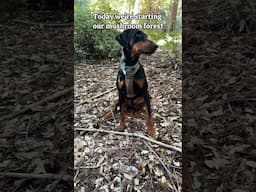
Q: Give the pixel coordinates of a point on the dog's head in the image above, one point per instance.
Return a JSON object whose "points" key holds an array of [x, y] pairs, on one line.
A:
{"points": [[135, 42]]}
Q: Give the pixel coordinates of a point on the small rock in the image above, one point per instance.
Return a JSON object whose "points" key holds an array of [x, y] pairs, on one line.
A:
{"points": [[163, 180], [128, 177], [136, 181]]}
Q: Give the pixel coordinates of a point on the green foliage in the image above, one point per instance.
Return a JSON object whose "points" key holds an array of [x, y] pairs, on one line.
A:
{"points": [[171, 41], [103, 6], [90, 43]]}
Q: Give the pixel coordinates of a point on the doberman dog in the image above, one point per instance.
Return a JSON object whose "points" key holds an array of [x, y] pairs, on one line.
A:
{"points": [[131, 79]]}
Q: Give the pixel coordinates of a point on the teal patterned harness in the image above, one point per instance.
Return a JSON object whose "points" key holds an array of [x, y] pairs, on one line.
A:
{"points": [[129, 72]]}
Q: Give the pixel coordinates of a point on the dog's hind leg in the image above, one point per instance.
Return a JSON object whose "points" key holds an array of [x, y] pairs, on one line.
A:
{"points": [[151, 130], [123, 109]]}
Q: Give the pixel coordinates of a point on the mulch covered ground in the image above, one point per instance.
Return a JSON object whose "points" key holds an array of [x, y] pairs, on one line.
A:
{"points": [[219, 96], [36, 107], [107, 161]]}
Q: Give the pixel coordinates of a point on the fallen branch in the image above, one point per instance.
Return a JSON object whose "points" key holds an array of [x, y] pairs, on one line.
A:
{"points": [[131, 135], [27, 108], [163, 164], [95, 81], [37, 176], [99, 95], [92, 167]]}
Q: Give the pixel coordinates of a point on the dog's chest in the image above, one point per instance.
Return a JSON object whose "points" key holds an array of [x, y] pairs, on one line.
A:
{"points": [[129, 83], [129, 76], [130, 79]]}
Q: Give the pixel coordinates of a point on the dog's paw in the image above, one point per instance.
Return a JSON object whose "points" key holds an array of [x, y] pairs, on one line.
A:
{"points": [[107, 115], [152, 132], [120, 128]]}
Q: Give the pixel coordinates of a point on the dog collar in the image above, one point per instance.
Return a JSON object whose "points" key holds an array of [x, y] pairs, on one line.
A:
{"points": [[129, 72]]}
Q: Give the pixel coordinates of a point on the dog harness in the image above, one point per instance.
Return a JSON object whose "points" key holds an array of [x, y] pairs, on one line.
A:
{"points": [[129, 72]]}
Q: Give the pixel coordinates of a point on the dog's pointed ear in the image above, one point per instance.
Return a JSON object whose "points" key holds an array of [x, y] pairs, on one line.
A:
{"points": [[123, 39], [119, 39]]}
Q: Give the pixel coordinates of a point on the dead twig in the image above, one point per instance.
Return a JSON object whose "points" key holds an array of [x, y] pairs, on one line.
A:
{"points": [[163, 164], [94, 166], [52, 186], [28, 107], [131, 135], [37, 176], [99, 95]]}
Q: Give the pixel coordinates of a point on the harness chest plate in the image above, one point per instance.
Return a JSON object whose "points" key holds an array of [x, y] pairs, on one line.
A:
{"points": [[129, 72]]}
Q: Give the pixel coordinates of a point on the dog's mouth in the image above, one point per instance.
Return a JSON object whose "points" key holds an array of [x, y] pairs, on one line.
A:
{"points": [[149, 51], [145, 47]]}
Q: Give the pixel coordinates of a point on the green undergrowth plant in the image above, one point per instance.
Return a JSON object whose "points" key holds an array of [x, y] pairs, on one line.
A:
{"points": [[171, 41], [92, 43]]}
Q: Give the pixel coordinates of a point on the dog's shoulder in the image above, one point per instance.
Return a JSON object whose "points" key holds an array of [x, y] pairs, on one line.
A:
{"points": [[120, 75], [140, 74]]}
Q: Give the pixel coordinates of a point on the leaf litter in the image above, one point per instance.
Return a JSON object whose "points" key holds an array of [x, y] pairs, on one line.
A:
{"points": [[110, 162], [35, 110]]}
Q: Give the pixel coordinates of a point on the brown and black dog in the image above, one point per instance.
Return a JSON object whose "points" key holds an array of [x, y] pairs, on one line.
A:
{"points": [[131, 79]]}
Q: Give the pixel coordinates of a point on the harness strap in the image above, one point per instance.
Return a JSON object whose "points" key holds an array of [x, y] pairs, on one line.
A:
{"points": [[129, 72]]}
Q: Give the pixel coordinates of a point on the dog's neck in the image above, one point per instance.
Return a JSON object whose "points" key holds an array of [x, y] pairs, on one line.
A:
{"points": [[126, 57]]}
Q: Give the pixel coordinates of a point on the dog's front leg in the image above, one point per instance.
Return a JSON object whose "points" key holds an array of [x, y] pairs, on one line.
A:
{"points": [[122, 114], [151, 130]]}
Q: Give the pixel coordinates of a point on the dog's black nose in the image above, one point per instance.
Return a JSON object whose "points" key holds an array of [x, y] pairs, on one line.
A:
{"points": [[155, 46]]}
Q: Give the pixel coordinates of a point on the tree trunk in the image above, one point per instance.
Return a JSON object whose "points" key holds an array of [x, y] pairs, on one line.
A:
{"points": [[172, 15], [136, 9]]}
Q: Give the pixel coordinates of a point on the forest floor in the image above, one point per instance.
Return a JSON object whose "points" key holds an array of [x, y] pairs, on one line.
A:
{"points": [[107, 161], [36, 107]]}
